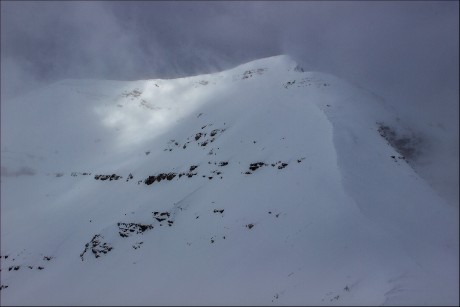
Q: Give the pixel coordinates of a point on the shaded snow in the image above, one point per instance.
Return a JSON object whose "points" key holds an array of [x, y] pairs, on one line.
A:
{"points": [[334, 219]]}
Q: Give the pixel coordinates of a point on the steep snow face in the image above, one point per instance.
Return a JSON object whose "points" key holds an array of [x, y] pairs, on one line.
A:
{"points": [[263, 184]]}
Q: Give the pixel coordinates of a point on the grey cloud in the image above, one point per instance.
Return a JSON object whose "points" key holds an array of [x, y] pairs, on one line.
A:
{"points": [[126, 40]]}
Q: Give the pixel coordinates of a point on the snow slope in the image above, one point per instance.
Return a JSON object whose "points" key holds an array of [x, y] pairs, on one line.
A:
{"points": [[272, 186]]}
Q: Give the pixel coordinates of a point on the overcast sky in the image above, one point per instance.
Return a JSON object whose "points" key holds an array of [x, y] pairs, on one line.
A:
{"points": [[406, 52], [124, 40], [130, 40]]}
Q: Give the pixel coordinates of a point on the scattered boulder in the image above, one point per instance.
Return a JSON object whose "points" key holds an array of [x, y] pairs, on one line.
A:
{"points": [[249, 73], [289, 83], [138, 245], [159, 177], [283, 165], [214, 132], [150, 180], [97, 247], [256, 165], [109, 177], [126, 229]]}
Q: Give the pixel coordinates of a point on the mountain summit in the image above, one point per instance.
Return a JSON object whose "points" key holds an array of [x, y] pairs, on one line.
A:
{"points": [[265, 184]]}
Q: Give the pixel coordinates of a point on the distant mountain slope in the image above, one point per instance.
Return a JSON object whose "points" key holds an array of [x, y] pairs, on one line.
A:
{"points": [[263, 184]]}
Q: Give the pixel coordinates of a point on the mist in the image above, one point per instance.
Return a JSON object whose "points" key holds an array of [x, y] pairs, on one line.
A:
{"points": [[406, 53]]}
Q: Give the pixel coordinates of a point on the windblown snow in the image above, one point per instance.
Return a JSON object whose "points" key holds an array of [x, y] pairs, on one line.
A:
{"points": [[261, 185]]}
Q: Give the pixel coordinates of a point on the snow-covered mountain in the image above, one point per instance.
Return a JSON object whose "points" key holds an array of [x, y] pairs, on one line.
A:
{"points": [[261, 185]]}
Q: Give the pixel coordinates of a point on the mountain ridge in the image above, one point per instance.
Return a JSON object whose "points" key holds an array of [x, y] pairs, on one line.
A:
{"points": [[262, 184]]}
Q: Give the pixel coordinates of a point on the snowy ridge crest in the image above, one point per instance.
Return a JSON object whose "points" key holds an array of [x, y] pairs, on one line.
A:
{"points": [[265, 177]]}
